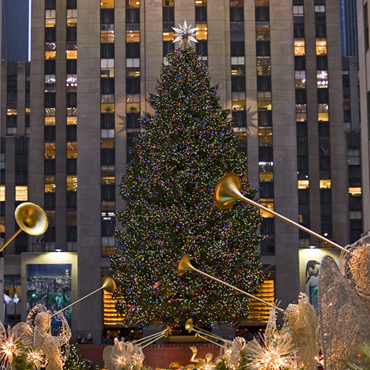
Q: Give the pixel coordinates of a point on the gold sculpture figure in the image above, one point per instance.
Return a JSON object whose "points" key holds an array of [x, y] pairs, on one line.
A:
{"points": [[49, 344]]}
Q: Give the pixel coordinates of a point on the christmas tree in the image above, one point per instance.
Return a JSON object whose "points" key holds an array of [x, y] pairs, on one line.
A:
{"points": [[187, 146]]}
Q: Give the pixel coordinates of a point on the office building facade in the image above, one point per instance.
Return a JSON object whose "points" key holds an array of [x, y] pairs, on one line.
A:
{"points": [[93, 66]]}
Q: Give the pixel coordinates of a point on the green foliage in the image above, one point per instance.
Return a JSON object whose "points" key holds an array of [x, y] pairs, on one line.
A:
{"points": [[363, 350], [187, 146], [20, 361], [74, 361]]}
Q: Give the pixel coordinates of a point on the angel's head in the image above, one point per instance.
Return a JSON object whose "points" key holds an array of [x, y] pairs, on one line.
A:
{"points": [[42, 321]]}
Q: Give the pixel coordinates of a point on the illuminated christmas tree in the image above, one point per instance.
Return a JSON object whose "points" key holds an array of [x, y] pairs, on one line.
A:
{"points": [[187, 146]]}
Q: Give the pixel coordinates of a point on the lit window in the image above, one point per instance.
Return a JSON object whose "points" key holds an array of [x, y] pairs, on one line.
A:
{"points": [[301, 112], [323, 112], [72, 17], [107, 175], [71, 54], [71, 120], [107, 36], [299, 47], [266, 176], [238, 104], [200, 2], [303, 184], [238, 70], [2, 193], [50, 54], [262, 31], [132, 36], [107, 143], [49, 150], [168, 36], [321, 47], [322, 79], [107, 68], [263, 66], [106, 108], [49, 121], [242, 137], [355, 191], [268, 203], [300, 79], [50, 18], [133, 72], [201, 33], [11, 112], [71, 183], [107, 4], [50, 184], [21, 193], [132, 4], [266, 171], [264, 136], [319, 8], [325, 184], [264, 100], [71, 149], [168, 2]]}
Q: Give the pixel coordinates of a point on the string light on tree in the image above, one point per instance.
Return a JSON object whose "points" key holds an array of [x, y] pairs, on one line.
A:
{"points": [[185, 147]]}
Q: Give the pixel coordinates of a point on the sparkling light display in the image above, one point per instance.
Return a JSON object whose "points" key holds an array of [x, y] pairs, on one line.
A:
{"points": [[185, 34], [187, 146]]}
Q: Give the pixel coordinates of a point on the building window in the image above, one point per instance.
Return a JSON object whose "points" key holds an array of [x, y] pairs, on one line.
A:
{"points": [[21, 193], [366, 25], [321, 48]]}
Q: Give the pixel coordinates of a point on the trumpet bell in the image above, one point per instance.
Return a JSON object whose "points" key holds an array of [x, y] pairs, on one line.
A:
{"points": [[227, 191], [189, 325], [108, 284], [184, 265], [31, 218]]}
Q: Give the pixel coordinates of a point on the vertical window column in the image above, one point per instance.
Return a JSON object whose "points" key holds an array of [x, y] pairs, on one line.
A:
{"points": [[168, 11], [265, 137], [107, 121], [49, 131], [202, 30]]}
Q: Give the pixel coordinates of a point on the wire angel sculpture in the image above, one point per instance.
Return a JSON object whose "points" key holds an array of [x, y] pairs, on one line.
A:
{"points": [[35, 332], [301, 320], [123, 354], [344, 306]]}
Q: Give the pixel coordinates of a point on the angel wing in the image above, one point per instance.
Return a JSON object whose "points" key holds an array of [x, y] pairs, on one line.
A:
{"points": [[24, 333], [301, 321], [344, 317]]}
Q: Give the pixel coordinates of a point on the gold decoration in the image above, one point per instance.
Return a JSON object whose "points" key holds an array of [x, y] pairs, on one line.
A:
{"points": [[344, 316], [301, 321], [277, 350]]}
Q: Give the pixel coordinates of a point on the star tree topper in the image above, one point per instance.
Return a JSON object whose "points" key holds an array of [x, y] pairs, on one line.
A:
{"points": [[184, 34]]}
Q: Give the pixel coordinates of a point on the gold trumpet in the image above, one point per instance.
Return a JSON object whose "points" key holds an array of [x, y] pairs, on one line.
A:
{"points": [[152, 338], [31, 218], [108, 284], [228, 191], [204, 334], [185, 265]]}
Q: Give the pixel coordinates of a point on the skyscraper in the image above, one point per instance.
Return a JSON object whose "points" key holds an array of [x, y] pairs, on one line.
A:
{"points": [[93, 66]]}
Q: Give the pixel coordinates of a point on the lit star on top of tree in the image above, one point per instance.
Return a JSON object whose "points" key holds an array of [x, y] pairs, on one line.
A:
{"points": [[184, 34]]}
